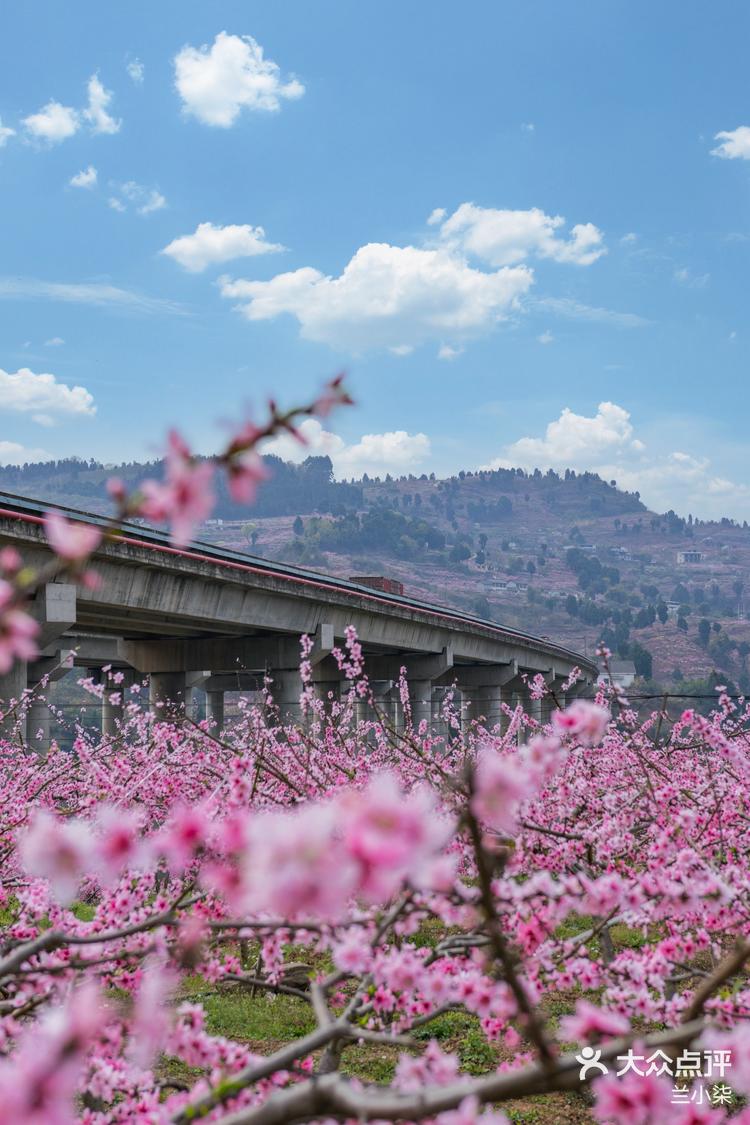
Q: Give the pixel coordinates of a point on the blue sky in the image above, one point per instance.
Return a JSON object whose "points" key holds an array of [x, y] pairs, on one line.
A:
{"points": [[496, 216]]}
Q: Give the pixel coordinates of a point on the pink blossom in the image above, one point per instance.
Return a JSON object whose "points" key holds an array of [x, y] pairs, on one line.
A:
{"points": [[501, 783], [737, 1041], [288, 862], [18, 631], [591, 1022], [58, 850], [333, 395], [187, 496], [353, 954], [586, 721], [632, 1099], [246, 471], [10, 560], [184, 835], [391, 834], [38, 1082], [469, 1113], [71, 541], [150, 1020], [120, 841]]}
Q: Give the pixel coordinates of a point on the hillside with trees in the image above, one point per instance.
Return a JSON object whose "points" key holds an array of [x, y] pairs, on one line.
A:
{"points": [[569, 556]]}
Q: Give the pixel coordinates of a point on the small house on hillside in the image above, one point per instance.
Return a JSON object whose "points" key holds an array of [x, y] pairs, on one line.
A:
{"points": [[621, 673], [689, 556]]}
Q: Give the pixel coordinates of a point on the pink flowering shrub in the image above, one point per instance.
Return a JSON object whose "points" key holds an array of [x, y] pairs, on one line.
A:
{"points": [[490, 876]]}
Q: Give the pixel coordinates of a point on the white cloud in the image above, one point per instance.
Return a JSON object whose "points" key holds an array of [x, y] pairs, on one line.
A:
{"points": [[91, 293], [375, 454], [144, 200], [398, 297], [210, 245], [155, 201], [43, 397], [11, 453], [5, 133], [503, 238], [54, 342], [690, 279], [96, 111], [86, 178], [136, 71], [606, 443], [528, 126], [53, 123], [575, 310], [216, 83], [574, 441], [386, 297], [448, 352], [629, 238], [546, 337], [735, 145]]}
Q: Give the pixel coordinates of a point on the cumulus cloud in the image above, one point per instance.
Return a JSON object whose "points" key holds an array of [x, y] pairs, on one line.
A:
{"points": [[209, 245], [136, 70], [398, 297], [96, 111], [5, 133], [606, 443], [735, 144], [11, 453], [53, 123], [86, 178], [54, 342], [216, 83], [24, 392], [504, 238], [387, 296], [375, 454]]}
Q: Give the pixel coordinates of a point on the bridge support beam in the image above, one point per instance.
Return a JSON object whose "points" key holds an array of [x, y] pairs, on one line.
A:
{"points": [[54, 608]]}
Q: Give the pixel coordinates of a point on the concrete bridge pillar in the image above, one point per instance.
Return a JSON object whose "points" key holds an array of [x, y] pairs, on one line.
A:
{"points": [[482, 704], [286, 690], [12, 687], [113, 704], [215, 708], [383, 702], [420, 699], [555, 700], [168, 692], [38, 726]]}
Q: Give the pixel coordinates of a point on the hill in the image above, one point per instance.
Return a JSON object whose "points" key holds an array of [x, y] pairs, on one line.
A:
{"points": [[568, 556]]}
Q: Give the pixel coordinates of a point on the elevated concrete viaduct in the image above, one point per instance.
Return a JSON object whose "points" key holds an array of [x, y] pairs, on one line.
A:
{"points": [[220, 620]]}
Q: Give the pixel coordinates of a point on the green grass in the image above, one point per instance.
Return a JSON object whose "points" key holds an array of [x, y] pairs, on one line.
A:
{"points": [[257, 1019]]}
